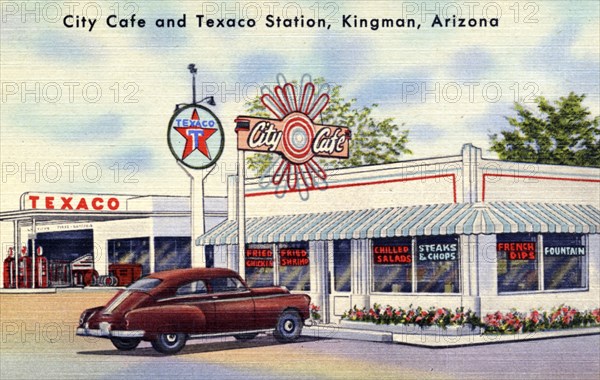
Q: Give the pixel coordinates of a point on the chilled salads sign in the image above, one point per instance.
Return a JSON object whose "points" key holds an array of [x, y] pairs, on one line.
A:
{"points": [[392, 254]]}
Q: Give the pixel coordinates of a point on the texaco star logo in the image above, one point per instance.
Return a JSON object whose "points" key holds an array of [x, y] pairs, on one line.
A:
{"points": [[195, 137]]}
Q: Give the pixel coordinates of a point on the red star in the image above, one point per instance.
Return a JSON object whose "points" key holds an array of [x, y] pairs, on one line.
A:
{"points": [[195, 138]]}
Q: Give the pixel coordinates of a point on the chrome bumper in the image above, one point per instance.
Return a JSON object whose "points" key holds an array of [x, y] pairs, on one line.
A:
{"points": [[105, 332]]}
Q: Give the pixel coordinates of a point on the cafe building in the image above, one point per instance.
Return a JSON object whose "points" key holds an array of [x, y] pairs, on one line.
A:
{"points": [[450, 231]]}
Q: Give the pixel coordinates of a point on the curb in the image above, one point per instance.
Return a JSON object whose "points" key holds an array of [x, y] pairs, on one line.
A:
{"points": [[62, 290], [332, 331]]}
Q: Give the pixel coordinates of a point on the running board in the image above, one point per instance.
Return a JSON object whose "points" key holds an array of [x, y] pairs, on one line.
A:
{"points": [[217, 335]]}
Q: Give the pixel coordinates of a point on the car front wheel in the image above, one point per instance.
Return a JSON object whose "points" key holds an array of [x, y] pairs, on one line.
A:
{"points": [[289, 327], [125, 344], [169, 343]]}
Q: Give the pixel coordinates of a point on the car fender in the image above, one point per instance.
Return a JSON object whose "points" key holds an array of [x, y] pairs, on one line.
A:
{"points": [[166, 319]]}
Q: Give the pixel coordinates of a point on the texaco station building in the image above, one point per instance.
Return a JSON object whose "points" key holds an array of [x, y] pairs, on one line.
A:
{"points": [[447, 231]]}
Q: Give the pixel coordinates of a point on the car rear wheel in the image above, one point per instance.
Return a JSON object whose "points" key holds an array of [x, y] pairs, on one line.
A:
{"points": [[245, 337], [125, 344], [289, 327], [169, 343]]}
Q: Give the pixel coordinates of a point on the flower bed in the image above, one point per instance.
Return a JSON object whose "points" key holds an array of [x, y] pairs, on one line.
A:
{"points": [[433, 319], [562, 317]]}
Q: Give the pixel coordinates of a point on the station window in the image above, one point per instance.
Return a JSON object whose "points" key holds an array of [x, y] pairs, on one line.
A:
{"points": [[259, 265], [392, 265], [172, 252], [517, 262], [294, 269], [130, 251], [342, 269], [437, 264], [564, 261]]}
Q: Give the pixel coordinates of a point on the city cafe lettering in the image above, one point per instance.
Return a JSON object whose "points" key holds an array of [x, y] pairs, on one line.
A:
{"points": [[71, 202], [295, 137]]}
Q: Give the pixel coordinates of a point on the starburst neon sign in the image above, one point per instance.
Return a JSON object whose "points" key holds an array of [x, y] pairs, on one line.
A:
{"points": [[294, 135]]}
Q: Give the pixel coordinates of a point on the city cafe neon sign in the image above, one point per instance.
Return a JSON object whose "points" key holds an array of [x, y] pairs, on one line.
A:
{"points": [[294, 135]]}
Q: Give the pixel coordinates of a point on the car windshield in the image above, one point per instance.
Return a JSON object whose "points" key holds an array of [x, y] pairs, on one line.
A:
{"points": [[144, 284]]}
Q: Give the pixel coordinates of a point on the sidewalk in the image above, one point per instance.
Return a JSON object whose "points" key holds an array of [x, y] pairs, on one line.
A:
{"points": [[61, 290], [333, 331]]}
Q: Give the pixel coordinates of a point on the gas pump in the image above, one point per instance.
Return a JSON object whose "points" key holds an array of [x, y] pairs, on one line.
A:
{"points": [[41, 269], [24, 274], [9, 269]]}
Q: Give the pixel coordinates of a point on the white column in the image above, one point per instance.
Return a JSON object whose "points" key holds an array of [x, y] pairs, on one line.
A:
{"points": [[241, 219], [233, 261], [471, 178], [152, 252], [360, 252], [318, 276]]}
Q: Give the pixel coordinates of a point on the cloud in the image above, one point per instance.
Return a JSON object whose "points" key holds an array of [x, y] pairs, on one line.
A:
{"points": [[472, 63]]}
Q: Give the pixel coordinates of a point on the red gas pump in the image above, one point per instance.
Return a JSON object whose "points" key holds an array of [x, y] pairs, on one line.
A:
{"points": [[41, 269], [9, 269], [25, 280]]}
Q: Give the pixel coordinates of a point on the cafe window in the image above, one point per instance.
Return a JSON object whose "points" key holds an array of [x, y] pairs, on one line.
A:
{"points": [[392, 265], [517, 262], [437, 261], [294, 269], [342, 269], [564, 261], [259, 265]]}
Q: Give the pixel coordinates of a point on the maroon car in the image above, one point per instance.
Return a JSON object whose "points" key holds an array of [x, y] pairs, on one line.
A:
{"points": [[167, 308]]}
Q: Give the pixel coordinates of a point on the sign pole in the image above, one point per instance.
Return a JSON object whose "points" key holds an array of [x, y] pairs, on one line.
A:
{"points": [[241, 214], [197, 215], [196, 140]]}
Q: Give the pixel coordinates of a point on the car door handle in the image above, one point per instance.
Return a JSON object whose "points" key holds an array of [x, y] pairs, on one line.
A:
{"points": [[215, 297]]}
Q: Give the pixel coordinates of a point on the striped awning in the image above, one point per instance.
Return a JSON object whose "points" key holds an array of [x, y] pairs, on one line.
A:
{"points": [[438, 219]]}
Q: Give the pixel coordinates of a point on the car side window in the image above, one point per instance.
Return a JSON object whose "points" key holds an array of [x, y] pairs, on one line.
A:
{"points": [[196, 287], [226, 284]]}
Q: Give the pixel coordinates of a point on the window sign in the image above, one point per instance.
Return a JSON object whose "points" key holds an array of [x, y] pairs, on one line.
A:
{"points": [[291, 257], [437, 264], [564, 261], [392, 265], [294, 271], [517, 250], [392, 254], [259, 265], [517, 262]]}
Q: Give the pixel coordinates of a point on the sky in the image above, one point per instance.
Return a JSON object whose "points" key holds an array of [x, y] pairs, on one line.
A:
{"points": [[87, 111]]}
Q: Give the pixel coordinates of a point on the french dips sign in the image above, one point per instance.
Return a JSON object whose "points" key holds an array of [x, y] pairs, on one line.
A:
{"points": [[294, 135]]}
